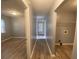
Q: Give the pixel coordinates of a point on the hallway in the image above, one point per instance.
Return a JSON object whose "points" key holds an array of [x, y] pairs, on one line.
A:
{"points": [[33, 29]]}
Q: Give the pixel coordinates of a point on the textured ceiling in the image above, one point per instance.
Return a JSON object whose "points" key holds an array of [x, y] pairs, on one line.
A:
{"points": [[44, 6], [41, 6], [12, 5], [38, 6]]}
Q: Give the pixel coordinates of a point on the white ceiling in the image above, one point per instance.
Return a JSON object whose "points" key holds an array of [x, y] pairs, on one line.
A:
{"points": [[38, 6], [44, 6], [12, 5], [41, 6]]}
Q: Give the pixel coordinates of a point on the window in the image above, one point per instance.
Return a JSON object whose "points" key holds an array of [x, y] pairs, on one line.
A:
{"points": [[40, 26], [2, 26]]}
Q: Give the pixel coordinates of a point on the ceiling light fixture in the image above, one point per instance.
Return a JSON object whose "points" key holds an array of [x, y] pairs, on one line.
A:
{"points": [[14, 13]]}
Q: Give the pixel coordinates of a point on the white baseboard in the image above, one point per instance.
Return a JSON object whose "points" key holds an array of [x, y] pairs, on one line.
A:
{"points": [[64, 44], [52, 55], [11, 38], [19, 37], [49, 48], [6, 39]]}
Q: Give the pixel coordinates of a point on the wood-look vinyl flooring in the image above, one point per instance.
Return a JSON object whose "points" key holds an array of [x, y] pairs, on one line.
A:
{"points": [[42, 52], [16, 49], [64, 52], [13, 49]]}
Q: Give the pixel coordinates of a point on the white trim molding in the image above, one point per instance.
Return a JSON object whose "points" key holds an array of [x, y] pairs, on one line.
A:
{"points": [[64, 44], [52, 55], [11, 38], [19, 37], [6, 39]]}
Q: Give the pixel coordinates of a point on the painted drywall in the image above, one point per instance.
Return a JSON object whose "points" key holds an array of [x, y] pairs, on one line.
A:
{"points": [[74, 52], [15, 27], [8, 27], [28, 31], [52, 16], [65, 21], [52, 30], [18, 26], [34, 27]]}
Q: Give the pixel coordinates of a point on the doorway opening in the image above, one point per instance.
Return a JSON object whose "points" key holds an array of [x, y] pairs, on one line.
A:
{"points": [[40, 27]]}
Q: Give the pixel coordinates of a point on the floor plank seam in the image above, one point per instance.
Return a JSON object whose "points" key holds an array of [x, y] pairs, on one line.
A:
{"points": [[49, 48], [33, 49]]}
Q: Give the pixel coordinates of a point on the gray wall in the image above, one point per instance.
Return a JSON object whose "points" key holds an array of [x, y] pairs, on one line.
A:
{"points": [[34, 27], [52, 30], [8, 27], [65, 21], [15, 27], [18, 26]]}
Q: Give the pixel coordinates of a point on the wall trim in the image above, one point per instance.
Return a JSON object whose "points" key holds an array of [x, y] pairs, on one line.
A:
{"points": [[48, 47], [11, 38], [6, 39], [64, 44], [19, 37], [52, 55]]}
